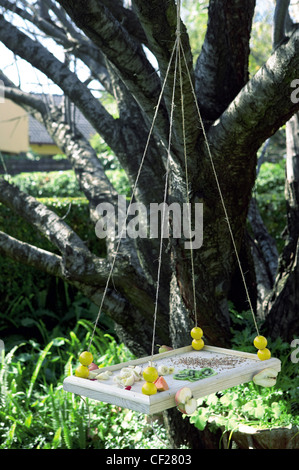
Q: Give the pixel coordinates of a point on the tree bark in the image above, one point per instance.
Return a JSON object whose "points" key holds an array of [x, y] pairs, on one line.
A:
{"points": [[283, 306], [265, 257]]}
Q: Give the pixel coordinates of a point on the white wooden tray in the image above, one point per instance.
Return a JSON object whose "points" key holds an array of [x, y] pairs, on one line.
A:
{"points": [[232, 367]]}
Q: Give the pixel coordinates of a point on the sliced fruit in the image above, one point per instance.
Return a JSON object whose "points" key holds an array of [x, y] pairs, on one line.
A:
{"points": [[164, 348], [189, 407], [193, 375], [131, 371], [183, 395], [182, 375], [186, 404], [82, 371], [197, 344], [93, 373], [266, 377], [126, 381], [86, 358], [138, 370], [163, 370], [103, 376], [149, 388], [206, 372], [126, 372], [161, 384], [264, 354], [260, 342], [137, 375], [150, 374], [196, 332]]}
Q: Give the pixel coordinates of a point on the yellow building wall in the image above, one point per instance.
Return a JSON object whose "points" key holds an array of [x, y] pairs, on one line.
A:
{"points": [[13, 128], [45, 149]]}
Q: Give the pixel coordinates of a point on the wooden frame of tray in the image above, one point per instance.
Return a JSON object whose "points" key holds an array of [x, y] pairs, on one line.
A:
{"points": [[232, 367]]}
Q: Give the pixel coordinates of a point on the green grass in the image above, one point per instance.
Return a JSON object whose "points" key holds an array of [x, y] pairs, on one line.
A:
{"points": [[36, 413]]}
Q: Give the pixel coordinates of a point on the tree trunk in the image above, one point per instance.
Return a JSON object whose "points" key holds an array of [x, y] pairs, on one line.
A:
{"points": [[182, 433], [265, 258], [283, 306]]}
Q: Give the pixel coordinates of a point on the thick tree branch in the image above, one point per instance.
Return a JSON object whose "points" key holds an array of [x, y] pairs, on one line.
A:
{"points": [[78, 262], [52, 264], [44, 61], [22, 98], [222, 66], [72, 41], [48, 223], [77, 266], [135, 133], [280, 17], [268, 94], [128, 19], [121, 137], [31, 255], [123, 52], [91, 176], [159, 21]]}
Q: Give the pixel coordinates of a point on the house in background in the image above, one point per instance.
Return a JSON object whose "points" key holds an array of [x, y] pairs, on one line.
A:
{"points": [[14, 128], [20, 132], [40, 141]]}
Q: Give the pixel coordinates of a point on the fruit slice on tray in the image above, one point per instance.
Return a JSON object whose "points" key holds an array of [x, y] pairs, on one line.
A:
{"points": [[193, 375], [266, 377], [185, 402], [161, 384]]}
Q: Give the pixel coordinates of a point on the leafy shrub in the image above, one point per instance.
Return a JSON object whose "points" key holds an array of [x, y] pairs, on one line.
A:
{"points": [[48, 184], [119, 180], [37, 413], [64, 183], [29, 297], [269, 192]]}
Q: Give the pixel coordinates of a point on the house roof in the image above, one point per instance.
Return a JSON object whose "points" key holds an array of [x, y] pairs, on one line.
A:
{"points": [[39, 135]]}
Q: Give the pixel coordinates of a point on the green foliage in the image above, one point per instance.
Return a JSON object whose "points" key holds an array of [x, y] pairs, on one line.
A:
{"points": [[64, 184], [73, 210], [195, 16], [261, 35], [105, 154], [260, 45], [269, 192], [111, 165], [48, 184], [33, 302], [119, 180], [37, 413]]}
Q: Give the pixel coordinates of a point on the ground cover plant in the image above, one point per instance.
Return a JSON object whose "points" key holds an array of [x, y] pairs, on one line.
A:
{"points": [[36, 413]]}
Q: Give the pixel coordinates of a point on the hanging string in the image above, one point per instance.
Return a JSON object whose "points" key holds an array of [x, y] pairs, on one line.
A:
{"points": [[165, 194], [177, 49], [133, 193], [220, 192], [187, 174]]}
